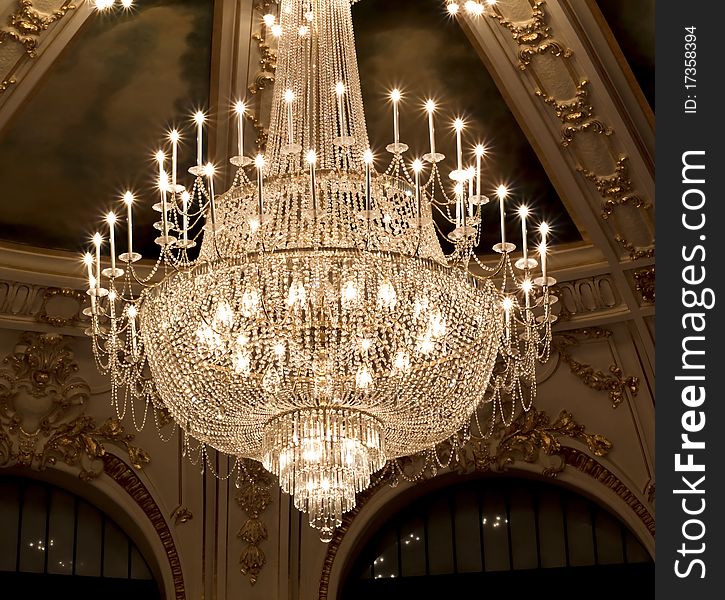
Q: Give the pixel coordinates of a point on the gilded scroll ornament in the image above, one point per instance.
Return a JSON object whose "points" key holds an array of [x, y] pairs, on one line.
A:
{"points": [[615, 383], [27, 23], [57, 320], [645, 284], [577, 115], [42, 411], [253, 497]]}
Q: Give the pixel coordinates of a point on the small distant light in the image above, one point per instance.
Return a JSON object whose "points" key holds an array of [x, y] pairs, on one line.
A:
{"points": [[269, 19], [132, 311], [209, 170], [289, 96], [453, 8], [544, 228], [276, 30], [502, 191], [458, 124], [103, 4], [526, 286], [128, 198], [87, 259], [395, 95], [480, 150], [430, 106], [417, 165], [523, 211], [368, 156], [311, 157], [240, 107], [111, 218], [304, 30], [259, 161], [339, 88], [199, 117], [160, 157], [97, 239]]}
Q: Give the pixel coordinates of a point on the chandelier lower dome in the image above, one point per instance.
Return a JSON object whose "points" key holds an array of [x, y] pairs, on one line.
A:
{"points": [[320, 328]]}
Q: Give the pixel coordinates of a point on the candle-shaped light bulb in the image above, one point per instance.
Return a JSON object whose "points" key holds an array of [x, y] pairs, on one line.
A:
{"points": [[174, 137], [417, 168], [276, 30], [185, 198], [88, 261], [508, 304], [430, 107], [340, 92], [128, 200], [395, 96], [459, 202], [524, 213], [502, 192], [470, 174], [458, 126], [527, 286], [97, 241], [544, 231], [111, 220], [542, 256], [289, 98], [311, 161], [368, 160], [269, 19], [199, 119], [259, 163], [240, 109], [132, 312], [163, 188], [452, 8], [209, 171], [480, 153]]}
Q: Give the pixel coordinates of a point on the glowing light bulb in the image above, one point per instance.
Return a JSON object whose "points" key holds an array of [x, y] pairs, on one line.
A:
{"points": [[363, 378], [523, 211], [417, 165], [199, 117], [127, 4], [259, 161], [128, 198], [339, 88], [480, 150], [269, 19], [387, 298], [453, 8], [458, 124], [276, 30], [132, 312], [395, 95], [368, 157], [311, 157], [160, 157], [240, 107], [474, 8], [88, 259], [502, 191], [430, 106], [111, 218], [209, 170]]}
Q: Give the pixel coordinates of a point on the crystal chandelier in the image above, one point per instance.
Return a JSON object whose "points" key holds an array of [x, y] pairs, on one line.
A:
{"points": [[308, 317]]}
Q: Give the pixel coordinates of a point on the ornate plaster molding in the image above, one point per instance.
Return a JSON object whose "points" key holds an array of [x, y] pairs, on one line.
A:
{"points": [[253, 497], [616, 384], [57, 307], [129, 481], [644, 284], [588, 297], [43, 405], [534, 37]]}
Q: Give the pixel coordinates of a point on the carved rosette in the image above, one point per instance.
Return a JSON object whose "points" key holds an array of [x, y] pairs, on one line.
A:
{"points": [[42, 411], [253, 497]]}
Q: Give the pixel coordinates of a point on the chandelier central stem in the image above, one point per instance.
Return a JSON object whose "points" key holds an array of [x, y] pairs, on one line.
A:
{"points": [[317, 100]]}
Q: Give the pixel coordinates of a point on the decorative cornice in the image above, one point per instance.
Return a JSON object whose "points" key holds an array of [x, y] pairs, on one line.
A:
{"points": [[615, 384], [127, 479], [42, 411], [253, 497], [587, 297], [588, 465], [26, 24], [58, 307]]}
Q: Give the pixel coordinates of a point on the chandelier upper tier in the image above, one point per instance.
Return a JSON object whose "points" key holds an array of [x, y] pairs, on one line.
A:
{"points": [[308, 316]]}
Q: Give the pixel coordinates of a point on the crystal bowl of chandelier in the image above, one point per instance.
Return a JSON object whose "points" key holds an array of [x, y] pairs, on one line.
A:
{"points": [[307, 317]]}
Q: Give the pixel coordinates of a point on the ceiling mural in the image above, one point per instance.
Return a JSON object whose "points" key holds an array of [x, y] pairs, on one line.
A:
{"points": [[87, 133]]}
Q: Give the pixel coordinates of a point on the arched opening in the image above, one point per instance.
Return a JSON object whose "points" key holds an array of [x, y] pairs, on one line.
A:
{"points": [[499, 535], [56, 543]]}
